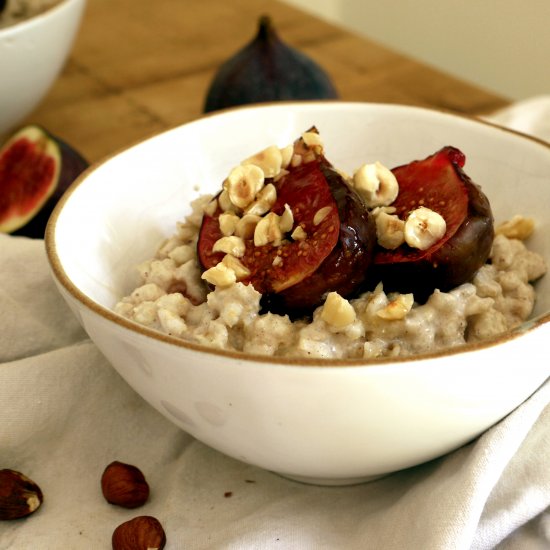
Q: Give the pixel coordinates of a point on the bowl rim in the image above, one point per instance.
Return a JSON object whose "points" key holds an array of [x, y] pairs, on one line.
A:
{"points": [[34, 20], [109, 315]]}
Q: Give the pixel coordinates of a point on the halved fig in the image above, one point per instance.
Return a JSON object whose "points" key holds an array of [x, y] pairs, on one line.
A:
{"points": [[344, 269], [35, 170], [306, 192], [331, 250], [440, 184]]}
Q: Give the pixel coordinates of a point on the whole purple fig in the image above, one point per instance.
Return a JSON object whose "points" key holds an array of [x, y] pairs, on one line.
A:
{"points": [[267, 69]]}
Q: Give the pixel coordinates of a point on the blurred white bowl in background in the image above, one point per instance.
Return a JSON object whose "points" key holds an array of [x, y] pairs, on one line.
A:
{"points": [[32, 54]]}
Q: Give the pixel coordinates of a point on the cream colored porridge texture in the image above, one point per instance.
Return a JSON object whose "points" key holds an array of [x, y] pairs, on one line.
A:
{"points": [[499, 297]]}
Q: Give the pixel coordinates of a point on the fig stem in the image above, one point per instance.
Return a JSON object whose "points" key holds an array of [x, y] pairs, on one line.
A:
{"points": [[265, 27], [3, 5]]}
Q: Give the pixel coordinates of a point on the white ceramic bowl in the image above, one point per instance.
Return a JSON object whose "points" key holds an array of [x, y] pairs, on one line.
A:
{"points": [[324, 422], [32, 54]]}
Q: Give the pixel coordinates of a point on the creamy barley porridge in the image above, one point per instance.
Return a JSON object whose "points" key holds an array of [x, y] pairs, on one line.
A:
{"points": [[226, 313]]}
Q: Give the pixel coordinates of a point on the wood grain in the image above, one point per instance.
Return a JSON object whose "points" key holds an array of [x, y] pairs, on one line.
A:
{"points": [[139, 67]]}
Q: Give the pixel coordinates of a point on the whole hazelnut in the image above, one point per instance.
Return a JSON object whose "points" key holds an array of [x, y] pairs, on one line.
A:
{"points": [[124, 485], [19, 495], [139, 533]]}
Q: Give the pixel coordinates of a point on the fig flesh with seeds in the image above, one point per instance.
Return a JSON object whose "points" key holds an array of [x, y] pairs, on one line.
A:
{"points": [[36, 168], [343, 270], [333, 252], [440, 184]]}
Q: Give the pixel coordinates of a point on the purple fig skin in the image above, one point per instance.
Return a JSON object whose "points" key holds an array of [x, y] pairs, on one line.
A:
{"points": [[344, 269], [72, 165], [453, 263], [267, 69]]}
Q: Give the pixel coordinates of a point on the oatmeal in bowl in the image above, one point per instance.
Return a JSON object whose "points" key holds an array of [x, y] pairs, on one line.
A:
{"points": [[281, 317], [290, 259]]}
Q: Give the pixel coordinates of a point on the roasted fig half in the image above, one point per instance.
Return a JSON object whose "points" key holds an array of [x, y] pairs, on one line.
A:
{"points": [[343, 270], [36, 168], [440, 184], [316, 237]]}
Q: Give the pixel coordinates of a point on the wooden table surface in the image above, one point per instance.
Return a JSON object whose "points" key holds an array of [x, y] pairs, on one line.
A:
{"points": [[142, 66]]}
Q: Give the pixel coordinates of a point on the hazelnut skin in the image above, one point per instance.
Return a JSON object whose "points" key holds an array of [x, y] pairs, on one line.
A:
{"points": [[124, 485], [139, 533], [19, 495]]}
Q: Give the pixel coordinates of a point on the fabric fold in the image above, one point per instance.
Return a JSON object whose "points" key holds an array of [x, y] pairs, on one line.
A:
{"points": [[65, 414]]}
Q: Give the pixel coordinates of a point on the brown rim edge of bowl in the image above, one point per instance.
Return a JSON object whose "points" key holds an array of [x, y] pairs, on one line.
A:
{"points": [[134, 327]]}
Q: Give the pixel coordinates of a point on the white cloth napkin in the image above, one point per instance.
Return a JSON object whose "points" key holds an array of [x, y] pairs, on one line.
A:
{"points": [[531, 116], [65, 414]]}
